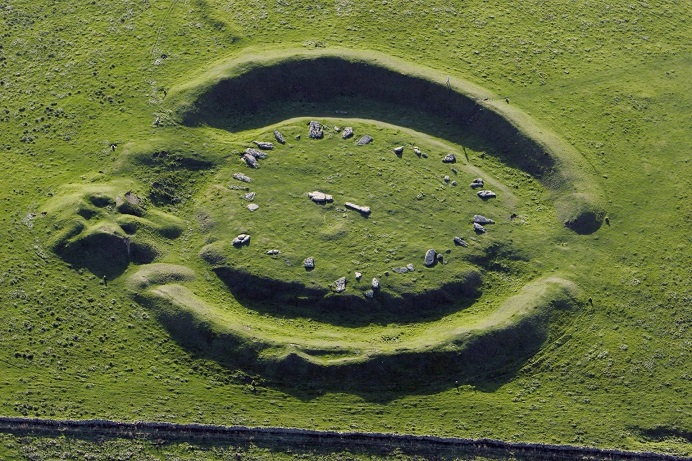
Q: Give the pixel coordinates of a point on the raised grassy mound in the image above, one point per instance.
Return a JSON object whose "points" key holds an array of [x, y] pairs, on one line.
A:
{"points": [[370, 250]]}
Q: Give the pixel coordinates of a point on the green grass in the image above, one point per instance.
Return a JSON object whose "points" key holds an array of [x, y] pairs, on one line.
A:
{"points": [[610, 80]]}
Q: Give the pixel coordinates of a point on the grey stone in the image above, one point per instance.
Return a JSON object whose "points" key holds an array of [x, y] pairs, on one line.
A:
{"points": [[361, 209], [273, 252], [264, 145], [476, 183], [410, 267], [486, 194], [358, 275], [234, 187], [400, 270], [258, 154], [460, 241], [241, 239], [399, 150], [369, 294], [315, 130], [482, 219], [250, 196], [449, 158], [348, 132], [375, 284], [417, 151], [424, 155], [440, 257], [309, 263], [430, 257], [446, 178], [367, 139], [320, 197], [241, 177], [454, 183], [478, 228], [250, 161], [253, 207], [279, 137], [340, 284]]}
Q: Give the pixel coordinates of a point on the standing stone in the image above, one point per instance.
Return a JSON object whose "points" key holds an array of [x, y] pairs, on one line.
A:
{"points": [[315, 130], [476, 183], [375, 284], [446, 178], [417, 151], [430, 257], [410, 267], [264, 145], [460, 241], [258, 154], [358, 276], [241, 177], [478, 228], [348, 132], [309, 263], [367, 139], [320, 197], [486, 194], [250, 161], [340, 284], [399, 150], [279, 137], [241, 239], [361, 209], [449, 158], [250, 196], [369, 294], [482, 219]]}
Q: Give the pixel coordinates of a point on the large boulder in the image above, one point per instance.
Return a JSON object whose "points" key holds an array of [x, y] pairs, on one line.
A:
{"points": [[242, 239], [430, 257], [279, 137], [482, 219], [348, 132], [486, 194], [364, 140], [315, 130], [309, 263], [449, 158]]}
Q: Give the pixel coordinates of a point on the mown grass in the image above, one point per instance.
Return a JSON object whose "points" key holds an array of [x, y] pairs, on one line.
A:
{"points": [[609, 78]]}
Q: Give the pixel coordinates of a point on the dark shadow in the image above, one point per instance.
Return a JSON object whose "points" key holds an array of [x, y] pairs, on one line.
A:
{"points": [[283, 299], [328, 86]]}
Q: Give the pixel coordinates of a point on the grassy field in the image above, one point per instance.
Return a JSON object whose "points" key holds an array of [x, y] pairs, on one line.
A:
{"points": [[81, 85]]}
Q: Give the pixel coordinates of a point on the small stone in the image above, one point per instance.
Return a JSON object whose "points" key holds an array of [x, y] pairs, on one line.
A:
{"points": [[446, 178], [375, 284], [340, 284], [454, 183], [264, 145], [482, 219], [417, 151], [273, 252], [309, 263], [361, 209], [367, 139], [297, 137], [320, 197], [400, 270], [478, 228], [358, 276], [279, 137], [348, 132], [486, 194], [460, 241], [410, 267], [258, 154], [399, 150], [253, 207], [250, 196], [369, 294], [315, 130], [430, 257], [250, 161], [476, 183], [440, 257], [449, 158], [241, 177], [241, 239], [424, 155], [337, 129]]}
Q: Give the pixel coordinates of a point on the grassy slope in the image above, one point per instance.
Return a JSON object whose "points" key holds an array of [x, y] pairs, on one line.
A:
{"points": [[609, 78]]}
